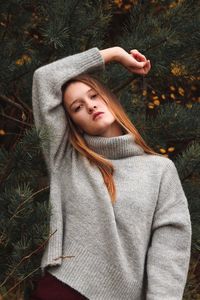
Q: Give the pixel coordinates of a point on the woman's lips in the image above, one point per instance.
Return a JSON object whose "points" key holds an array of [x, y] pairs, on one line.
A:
{"points": [[99, 114]]}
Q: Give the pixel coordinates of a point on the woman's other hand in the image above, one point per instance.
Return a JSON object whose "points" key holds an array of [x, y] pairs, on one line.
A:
{"points": [[135, 62]]}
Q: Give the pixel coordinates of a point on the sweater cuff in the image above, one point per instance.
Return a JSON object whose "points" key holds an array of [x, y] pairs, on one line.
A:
{"points": [[92, 57]]}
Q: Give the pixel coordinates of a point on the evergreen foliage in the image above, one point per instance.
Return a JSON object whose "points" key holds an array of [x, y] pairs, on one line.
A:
{"points": [[164, 106]]}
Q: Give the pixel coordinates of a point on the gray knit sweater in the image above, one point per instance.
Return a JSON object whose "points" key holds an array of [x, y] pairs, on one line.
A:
{"points": [[137, 248]]}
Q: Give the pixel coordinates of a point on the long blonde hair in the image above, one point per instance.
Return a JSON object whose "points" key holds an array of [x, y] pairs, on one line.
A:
{"points": [[76, 139]]}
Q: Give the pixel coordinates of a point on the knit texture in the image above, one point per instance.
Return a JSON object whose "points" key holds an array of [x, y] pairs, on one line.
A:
{"points": [[137, 248]]}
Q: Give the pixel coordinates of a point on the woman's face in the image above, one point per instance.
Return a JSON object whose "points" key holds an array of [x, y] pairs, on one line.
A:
{"points": [[82, 102]]}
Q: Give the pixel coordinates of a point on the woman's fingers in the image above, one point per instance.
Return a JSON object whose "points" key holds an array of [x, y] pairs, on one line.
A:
{"points": [[141, 71], [147, 67], [134, 61], [139, 65], [137, 55]]}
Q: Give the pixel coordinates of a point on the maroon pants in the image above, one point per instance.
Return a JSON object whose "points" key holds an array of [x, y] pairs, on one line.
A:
{"points": [[50, 288]]}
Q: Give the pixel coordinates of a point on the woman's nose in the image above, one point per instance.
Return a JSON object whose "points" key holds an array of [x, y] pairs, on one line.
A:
{"points": [[91, 107]]}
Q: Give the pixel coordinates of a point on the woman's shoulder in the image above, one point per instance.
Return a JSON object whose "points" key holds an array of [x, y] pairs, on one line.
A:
{"points": [[158, 161]]}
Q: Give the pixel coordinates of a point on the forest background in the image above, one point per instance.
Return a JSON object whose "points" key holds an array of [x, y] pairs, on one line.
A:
{"points": [[164, 106]]}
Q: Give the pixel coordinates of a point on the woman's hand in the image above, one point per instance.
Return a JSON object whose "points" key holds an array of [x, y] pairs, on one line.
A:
{"points": [[135, 62]]}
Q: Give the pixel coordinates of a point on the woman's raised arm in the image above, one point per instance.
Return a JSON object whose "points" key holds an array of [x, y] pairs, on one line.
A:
{"points": [[48, 110]]}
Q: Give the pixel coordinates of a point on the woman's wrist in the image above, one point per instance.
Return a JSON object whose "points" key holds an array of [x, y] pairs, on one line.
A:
{"points": [[111, 54], [135, 62]]}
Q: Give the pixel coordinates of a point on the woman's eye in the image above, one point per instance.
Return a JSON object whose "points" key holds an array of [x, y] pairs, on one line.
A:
{"points": [[77, 108]]}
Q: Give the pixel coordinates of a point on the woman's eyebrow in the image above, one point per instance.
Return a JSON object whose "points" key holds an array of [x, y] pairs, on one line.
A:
{"points": [[79, 99]]}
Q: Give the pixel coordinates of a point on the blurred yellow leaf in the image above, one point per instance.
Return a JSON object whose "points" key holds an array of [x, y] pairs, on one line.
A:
{"points": [[178, 69], [172, 96], [24, 59], [155, 97], [171, 149], [127, 6], [156, 102], [162, 150], [144, 92], [181, 91], [189, 105], [150, 105], [2, 132], [172, 88]]}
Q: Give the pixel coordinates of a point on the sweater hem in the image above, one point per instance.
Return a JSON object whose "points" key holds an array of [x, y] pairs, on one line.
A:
{"points": [[80, 269]]}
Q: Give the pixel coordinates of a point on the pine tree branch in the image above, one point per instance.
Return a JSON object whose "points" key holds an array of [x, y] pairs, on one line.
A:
{"points": [[83, 30], [20, 281], [27, 257], [6, 173], [18, 210], [70, 20], [7, 23], [8, 100], [19, 76], [189, 174], [7, 170], [23, 104], [17, 105], [157, 45], [13, 119], [124, 84]]}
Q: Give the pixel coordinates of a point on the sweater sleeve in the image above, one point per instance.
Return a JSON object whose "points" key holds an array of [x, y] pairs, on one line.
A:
{"points": [[48, 110], [168, 256]]}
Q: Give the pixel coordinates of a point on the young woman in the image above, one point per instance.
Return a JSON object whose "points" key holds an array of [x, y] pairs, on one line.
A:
{"points": [[120, 222]]}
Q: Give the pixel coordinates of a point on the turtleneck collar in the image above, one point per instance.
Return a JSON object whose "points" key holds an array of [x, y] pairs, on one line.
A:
{"points": [[114, 147]]}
